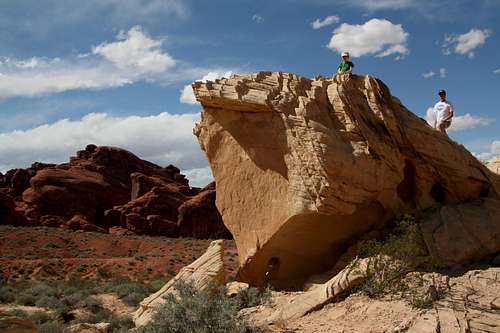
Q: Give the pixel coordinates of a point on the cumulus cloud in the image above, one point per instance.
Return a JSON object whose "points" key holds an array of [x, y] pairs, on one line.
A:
{"points": [[187, 94], [377, 36], [461, 123], [496, 71], [467, 43], [329, 20], [136, 50], [492, 151], [133, 57], [164, 138], [428, 75]]}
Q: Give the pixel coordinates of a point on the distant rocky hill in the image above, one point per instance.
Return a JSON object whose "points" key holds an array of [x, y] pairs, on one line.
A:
{"points": [[306, 167], [109, 189]]}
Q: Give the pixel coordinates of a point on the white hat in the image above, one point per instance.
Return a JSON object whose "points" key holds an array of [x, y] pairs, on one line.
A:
{"points": [[345, 54]]}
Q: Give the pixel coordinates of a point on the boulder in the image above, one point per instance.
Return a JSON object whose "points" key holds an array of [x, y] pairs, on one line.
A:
{"points": [[203, 272], [463, 233], [304, 167], [199, 218]]}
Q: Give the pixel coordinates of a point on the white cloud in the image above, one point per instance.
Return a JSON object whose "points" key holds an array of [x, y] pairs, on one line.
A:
{"points": [[134, 57], [379, 37], [187, 94], [496, 71], [442, 72], [329, 20], [199, 176], [428, 75], [467, 121], [257, 18], [461, 123], [164, 138], [466, 43], [492, 152], [136, 50]]}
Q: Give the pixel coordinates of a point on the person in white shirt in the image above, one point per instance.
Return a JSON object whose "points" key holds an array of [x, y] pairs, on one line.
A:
{"points": [[443, 113]]}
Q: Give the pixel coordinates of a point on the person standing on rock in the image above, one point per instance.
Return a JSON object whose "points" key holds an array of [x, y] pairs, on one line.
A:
{"points": [[443, 113], [346, 66]]}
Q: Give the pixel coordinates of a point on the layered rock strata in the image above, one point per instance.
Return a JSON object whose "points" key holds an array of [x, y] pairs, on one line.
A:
{"points": [[305, 166]]}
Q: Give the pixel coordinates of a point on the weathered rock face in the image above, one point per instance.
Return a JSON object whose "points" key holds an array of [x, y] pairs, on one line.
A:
{"points": [[303, 167], [199, 217], [101, 188]]}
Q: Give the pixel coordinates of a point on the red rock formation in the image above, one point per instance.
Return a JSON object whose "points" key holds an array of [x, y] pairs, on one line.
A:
{"points": [[105, 187], [198, 216]]}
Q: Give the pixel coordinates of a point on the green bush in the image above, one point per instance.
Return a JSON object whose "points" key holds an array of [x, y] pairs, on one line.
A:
{"points": [[251, 297], [92, 304], [7, 295], [194, 311], [51, 327], [401, 252], [26, 298]]}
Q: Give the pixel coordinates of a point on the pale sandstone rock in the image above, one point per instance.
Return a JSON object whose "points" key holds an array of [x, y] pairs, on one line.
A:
{"points": [[233, 288], [495, 165], [465, 304], [351, 276], [207, 269], [89, 328], [11, 324], [305, 166]]}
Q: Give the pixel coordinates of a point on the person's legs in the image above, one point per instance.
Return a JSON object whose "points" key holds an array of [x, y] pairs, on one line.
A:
{"points": [[443, 126]]}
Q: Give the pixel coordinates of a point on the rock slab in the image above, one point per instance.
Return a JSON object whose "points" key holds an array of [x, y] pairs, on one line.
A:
{"points": [[305, 166], [207, 269]]}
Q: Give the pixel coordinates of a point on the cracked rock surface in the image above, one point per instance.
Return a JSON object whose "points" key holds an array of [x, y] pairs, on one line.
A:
{"points": [[304, 167]]}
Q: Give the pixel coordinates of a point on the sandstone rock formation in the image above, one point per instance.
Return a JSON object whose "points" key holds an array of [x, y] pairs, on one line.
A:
{"points": [[305, 166], [495, 165], [207, 269], [105, 187]]}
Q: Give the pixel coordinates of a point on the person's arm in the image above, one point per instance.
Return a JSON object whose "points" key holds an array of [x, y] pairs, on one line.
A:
{"points": [[451, 112]]}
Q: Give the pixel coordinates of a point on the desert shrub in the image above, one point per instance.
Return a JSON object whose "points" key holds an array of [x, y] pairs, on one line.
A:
{"points": [[193, 311], [26, 298], [401, 252], [120, 323], [251, 297], [156, 285], [128, 291], [40, 317], [7, 295], [92, 304], [50, 302], [51, 327]]}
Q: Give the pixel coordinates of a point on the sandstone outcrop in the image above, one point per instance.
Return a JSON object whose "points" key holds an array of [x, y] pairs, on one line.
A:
{"points": [[105, 187], [305, 166], [495, 165], [207, 269]]}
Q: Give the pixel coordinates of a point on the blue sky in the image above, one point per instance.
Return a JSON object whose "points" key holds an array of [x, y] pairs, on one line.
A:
{"points": [[113, 71]]}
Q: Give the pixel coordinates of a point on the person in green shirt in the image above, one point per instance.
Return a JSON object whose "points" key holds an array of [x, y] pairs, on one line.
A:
{"points": [[345, 66]]}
